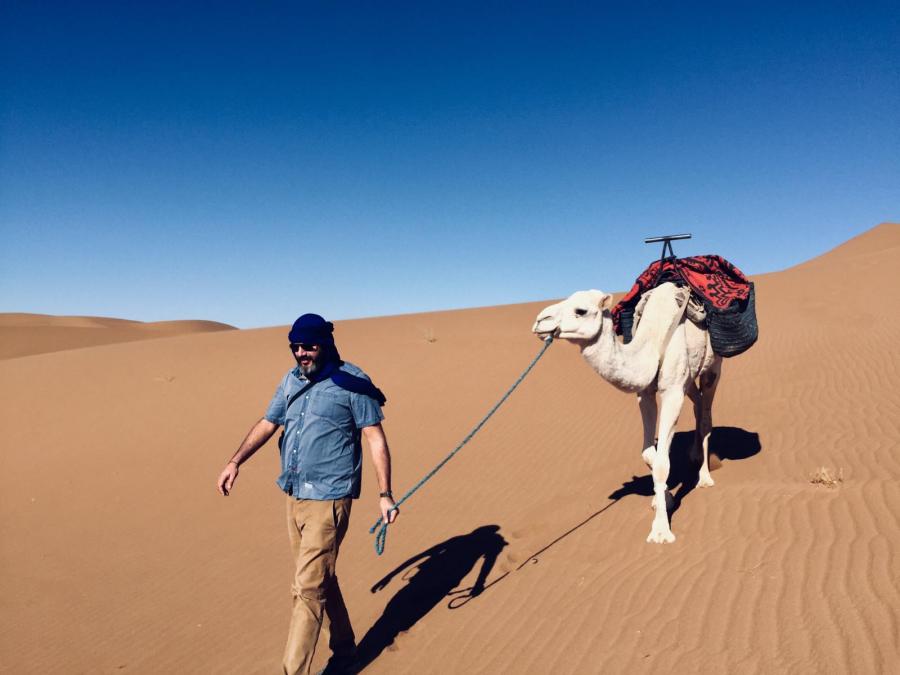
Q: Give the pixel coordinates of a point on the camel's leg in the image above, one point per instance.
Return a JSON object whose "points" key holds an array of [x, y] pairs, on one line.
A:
{"points": [[670, 407], [693, 393], [647, 404], [709, 381]]}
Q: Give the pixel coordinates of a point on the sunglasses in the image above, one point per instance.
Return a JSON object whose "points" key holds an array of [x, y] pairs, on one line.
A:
{"points": [[304, 346]]}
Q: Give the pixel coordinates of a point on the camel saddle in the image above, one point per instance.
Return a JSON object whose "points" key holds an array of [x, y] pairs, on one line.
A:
{"points": [[722, 300]]}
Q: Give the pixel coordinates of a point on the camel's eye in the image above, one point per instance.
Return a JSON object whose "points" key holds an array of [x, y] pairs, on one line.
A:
{"points": [[580, 312]]}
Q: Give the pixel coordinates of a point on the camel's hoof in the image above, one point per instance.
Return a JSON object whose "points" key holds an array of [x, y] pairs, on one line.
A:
{"points": [[705, 481], [660, 536], [648, 455]]}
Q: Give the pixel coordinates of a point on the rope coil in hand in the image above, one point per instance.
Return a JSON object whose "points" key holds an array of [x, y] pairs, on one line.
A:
{"points": [[381, 536]]}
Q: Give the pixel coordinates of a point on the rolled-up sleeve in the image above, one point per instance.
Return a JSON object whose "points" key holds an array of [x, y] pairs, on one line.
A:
{"points": [[277, 406], [365, 409]]}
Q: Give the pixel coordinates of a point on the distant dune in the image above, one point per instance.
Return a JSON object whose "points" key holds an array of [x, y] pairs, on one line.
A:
{"points": [[25, 334], [119, 556]]}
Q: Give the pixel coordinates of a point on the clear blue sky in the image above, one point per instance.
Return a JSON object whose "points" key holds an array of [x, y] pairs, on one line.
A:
{"points": [[247, 162]]}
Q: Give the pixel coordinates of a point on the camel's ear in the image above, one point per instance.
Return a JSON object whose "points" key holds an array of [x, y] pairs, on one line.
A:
{"points": [[606, 301]]}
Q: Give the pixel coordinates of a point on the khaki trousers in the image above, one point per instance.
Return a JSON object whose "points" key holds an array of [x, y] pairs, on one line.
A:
{"points": [[316, 529]]}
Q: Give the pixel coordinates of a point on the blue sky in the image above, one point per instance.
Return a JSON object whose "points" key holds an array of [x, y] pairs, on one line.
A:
{"points": [[248, 162]]}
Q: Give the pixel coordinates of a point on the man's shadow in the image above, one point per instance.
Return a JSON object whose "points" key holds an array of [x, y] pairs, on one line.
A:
{"points": [[431, 576]]}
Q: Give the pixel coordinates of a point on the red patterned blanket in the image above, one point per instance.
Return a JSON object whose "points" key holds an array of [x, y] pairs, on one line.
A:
{"points": [[715, 280]]}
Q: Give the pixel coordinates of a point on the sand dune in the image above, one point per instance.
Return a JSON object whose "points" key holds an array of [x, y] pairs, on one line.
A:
{"points": [[25, 334], [119, 556]]}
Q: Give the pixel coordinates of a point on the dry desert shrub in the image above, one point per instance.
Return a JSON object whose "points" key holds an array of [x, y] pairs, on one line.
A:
{"points": [[828, 477]]}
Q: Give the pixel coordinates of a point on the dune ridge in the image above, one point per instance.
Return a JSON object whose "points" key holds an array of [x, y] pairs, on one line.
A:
{"points": [[23, 334], [120, 557]]}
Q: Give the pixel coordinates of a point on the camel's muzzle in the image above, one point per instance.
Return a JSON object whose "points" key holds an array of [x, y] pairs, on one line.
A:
{"points": [[548, 330]]}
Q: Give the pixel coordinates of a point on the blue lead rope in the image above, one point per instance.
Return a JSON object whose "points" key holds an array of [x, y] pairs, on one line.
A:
{"points": [[381, 536]]}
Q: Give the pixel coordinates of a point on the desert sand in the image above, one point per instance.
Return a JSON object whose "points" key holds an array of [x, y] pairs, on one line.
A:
{"points": [[119, 556]]}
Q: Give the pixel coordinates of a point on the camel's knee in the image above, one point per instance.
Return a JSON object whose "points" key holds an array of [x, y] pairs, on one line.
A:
{"points": [[708, 379], [649, 455], [660, 469]]}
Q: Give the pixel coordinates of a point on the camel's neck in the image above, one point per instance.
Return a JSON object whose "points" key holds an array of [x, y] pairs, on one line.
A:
{"points": [[630, 367]]}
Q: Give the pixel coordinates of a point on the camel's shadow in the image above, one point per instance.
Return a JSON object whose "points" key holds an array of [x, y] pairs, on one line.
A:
{"points": [[432, 576], [732, 442], [726, 443]]}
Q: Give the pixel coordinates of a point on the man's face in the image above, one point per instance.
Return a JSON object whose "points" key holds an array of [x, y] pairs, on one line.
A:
{"points": [[309, 357]]}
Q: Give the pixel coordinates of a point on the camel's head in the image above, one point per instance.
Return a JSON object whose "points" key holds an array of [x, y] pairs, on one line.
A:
{"points": [[576, 318]]}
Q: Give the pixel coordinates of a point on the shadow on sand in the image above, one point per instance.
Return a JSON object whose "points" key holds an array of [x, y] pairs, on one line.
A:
{"points": [[435, 573], [725, 443], [432, 576]]}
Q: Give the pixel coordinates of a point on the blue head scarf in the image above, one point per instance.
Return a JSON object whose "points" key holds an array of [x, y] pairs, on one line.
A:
{"points": [[314, 329]]}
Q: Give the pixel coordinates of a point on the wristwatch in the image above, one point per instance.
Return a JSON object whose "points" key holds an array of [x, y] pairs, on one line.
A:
{"points": [[388, 494]]}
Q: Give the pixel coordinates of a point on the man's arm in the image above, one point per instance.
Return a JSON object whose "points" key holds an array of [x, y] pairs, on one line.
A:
{"points": [[381, 458], [257, 436]]}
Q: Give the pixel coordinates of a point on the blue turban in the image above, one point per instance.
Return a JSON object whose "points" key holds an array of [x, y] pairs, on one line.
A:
{"points": [[312, 329]]}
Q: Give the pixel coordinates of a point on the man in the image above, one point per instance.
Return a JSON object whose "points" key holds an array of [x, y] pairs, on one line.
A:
{"points": [[325, 405]]}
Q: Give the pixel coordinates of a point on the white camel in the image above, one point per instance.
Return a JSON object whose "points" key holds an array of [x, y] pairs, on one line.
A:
{"points": [[668, 354]]}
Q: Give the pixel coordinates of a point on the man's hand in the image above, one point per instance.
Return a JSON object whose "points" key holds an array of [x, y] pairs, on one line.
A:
{"points": [[381, 458], [257, 436], [382, 584], [388, 516], [227, 477]]}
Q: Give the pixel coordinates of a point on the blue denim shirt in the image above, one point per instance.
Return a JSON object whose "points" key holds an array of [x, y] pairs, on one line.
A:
{"points": [[321, 449]]}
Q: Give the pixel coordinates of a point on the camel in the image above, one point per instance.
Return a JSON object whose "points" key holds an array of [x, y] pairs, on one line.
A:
{"points": [[669, 355]]}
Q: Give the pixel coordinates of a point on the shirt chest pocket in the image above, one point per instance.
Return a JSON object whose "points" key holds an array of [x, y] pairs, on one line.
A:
{"points": [[333, 407]]}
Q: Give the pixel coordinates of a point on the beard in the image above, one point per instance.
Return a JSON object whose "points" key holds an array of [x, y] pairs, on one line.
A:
{"points": [[313, 364]]}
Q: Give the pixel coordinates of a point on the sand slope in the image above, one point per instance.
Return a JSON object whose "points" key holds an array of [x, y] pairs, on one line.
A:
{"points": [[119, 556], [25, 334]]}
